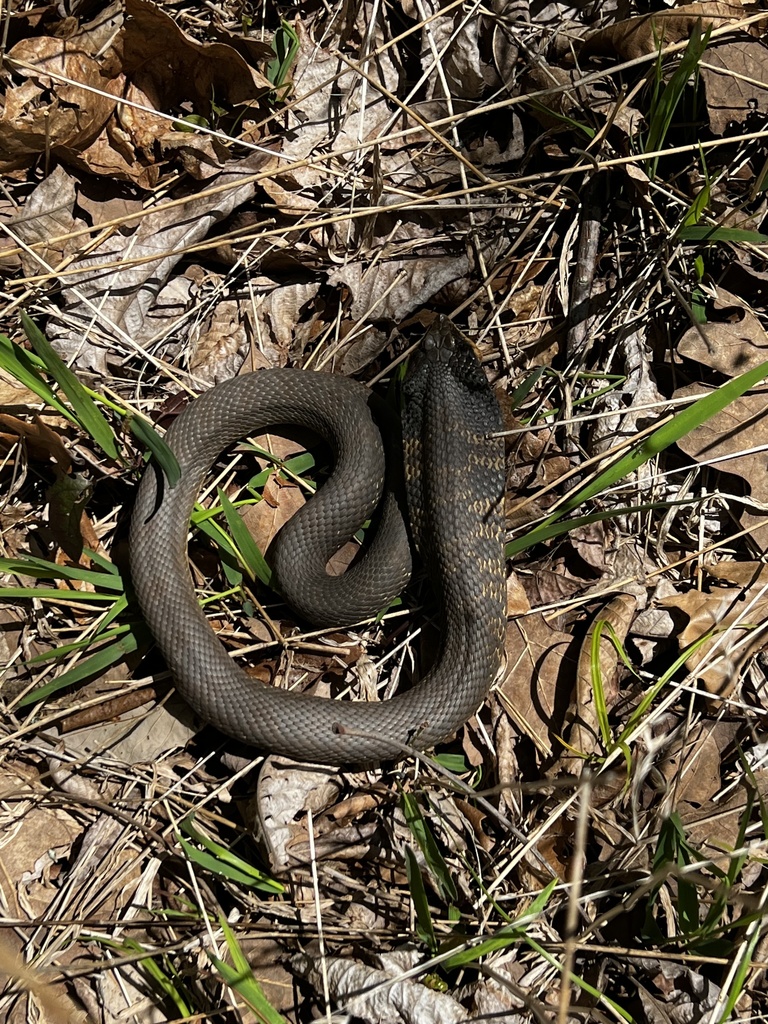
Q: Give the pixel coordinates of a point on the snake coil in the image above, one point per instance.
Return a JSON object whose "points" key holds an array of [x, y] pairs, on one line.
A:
{"points": [[454, 482]]}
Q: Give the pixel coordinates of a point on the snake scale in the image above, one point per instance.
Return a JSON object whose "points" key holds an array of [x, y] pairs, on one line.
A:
{"points": [[454, 483]]}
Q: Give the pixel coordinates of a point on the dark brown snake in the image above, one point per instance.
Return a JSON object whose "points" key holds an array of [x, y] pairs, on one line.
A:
{"points": [[455, 482]]}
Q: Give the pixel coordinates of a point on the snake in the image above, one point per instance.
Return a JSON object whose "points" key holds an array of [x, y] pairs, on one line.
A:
{"points": [[452, 515]]}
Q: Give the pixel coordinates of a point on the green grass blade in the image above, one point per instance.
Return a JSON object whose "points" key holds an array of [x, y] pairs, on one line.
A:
{"points": [[113, 652], [240, 977], [87, 412], [77, 645], [506, 936], [56, 596], [713, 233], [285, 46], [210, 863], [424, 925], [203, 519], [16, 361], [523, 389], [455, 763], [167, 979], [664, 109], [102, 561], [222, 861], [697, 207], [248, 988], [247, 549], [293, 467], [539, 534], [564, 119], [648, 698], [592, 992], [422, 833], [746, 954], [668, 433], [43, 569], [145, 433], [598, 690]]}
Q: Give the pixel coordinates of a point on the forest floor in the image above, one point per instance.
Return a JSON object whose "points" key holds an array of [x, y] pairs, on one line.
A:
{"points": [[192, 191]]}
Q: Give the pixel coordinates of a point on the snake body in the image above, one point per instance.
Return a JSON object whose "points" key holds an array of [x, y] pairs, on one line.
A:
{"points": [[454, 481]]}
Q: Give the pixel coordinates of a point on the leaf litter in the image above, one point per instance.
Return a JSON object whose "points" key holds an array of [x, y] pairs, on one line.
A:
{"points": [[181, 206]]}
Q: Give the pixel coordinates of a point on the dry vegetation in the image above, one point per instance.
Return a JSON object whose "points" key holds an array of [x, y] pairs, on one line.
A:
{"points": [[196, 190]]}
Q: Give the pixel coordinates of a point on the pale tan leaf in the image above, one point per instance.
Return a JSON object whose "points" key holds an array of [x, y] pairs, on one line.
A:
{"points": [[732, 615]]}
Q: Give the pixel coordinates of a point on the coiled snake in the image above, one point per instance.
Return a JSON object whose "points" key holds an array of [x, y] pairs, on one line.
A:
{"points": [[454, 481]]}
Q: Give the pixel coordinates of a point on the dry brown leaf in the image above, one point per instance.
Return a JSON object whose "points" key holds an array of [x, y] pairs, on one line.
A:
{"points": [[637, 37], [386, 996], [42, 443], [393, 289], [688, 994], [742, 425], [142, 56], [219, 345], [201, 156], [456, 38], [256, 52], [15, 396], [713, 827], [747, 282], [26, 865], [101, 201], [732, 342], [740, 574], [277, 813], [279, 324], [695, 769], [369, 342], [533, 461], [328, 99], [124, 295], [733, 74], [46, 217], [589, 541], [44, 114], [281, 499], [732, 614], [540, 669], [171, 67], [72, 530]]}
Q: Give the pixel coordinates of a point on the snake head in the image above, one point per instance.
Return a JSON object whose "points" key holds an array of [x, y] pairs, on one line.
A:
{"points": [[444, 345]]}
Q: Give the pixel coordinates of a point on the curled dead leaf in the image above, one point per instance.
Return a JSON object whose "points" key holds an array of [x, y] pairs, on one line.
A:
{"points": [[637, 37], [42, 113]]}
